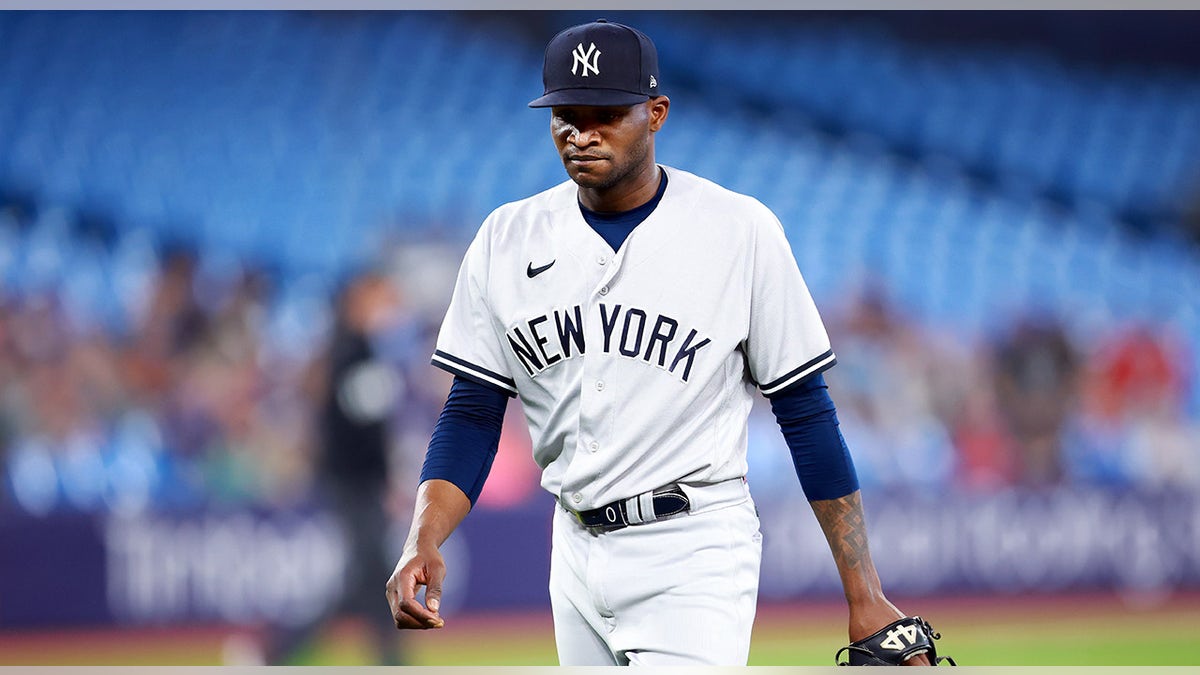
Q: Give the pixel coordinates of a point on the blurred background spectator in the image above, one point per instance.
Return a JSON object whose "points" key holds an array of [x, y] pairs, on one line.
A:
{"points": [[357, 390], [1035, 370]]}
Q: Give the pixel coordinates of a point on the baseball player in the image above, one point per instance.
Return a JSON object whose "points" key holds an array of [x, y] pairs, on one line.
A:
{"points": [[635, 309]]}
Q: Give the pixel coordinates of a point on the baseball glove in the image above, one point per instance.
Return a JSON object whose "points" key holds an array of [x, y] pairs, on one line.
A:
{"points": [[894, 644]]}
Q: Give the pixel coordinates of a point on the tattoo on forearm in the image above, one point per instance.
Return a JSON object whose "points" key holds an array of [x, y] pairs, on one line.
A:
{"points": [[845, 527]]}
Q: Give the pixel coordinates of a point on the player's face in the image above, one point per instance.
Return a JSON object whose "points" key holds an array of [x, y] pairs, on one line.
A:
{"points": [[605, 147]]}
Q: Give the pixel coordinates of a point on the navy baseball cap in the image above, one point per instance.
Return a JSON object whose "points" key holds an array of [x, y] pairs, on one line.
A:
{"points": [[599, 63]]}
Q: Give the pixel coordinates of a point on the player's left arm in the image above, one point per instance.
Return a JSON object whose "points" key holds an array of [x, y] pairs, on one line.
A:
{"points": [[845, 529], [807, 417]]}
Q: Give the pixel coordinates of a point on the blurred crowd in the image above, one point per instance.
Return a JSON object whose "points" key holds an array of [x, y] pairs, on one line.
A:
{"points": [[1032, 405], [191, 403]]}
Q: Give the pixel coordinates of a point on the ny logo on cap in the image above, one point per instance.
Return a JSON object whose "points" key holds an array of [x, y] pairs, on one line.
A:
{"points": [[589, 59]]}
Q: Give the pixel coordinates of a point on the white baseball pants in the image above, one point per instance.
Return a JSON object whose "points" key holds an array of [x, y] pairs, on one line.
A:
{"points": [[679, 591]]}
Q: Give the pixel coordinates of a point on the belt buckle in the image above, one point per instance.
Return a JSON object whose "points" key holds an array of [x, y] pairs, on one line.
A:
{"points": [[579, 519], [614, 521], [600, 529]]}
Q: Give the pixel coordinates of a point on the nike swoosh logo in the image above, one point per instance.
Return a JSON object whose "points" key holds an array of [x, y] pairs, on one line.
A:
{"points": [[534, 271]]}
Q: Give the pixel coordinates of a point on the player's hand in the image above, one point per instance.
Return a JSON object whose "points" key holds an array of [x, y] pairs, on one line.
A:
{"points": [[416, 568], [867, 618]]}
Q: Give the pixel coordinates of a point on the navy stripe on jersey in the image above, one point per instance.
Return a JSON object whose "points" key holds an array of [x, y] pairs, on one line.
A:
{"points": [[474, 373], [812, 367]]}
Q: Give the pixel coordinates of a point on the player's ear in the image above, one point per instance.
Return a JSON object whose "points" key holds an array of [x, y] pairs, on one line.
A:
{"points": [[659, 107]]}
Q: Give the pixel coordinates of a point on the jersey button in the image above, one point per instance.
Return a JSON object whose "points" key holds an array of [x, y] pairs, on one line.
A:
{"points": [[602, 260], [599, 385], [576, 497], [604, 290], [593, 446]]}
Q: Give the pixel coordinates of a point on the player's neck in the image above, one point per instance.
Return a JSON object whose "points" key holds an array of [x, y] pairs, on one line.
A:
{"points": [[624, 196]]}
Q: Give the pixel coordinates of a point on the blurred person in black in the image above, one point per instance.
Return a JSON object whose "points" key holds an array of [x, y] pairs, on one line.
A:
{"points": [[1037, 371], [358, 394]]}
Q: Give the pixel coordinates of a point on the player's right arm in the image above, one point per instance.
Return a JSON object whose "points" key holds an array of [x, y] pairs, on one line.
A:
{"points": [[457, 463], [440, 507]]}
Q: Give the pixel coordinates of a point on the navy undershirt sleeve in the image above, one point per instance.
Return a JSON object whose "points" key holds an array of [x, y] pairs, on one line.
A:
{"points": [[466, 437], [808, 420]]}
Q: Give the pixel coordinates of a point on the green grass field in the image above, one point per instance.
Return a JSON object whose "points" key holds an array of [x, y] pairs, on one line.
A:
{"points": [[1057, 631], [1011, 632]]}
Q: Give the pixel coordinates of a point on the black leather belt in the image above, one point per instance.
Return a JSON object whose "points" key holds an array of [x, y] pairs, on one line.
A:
{"points": [[667, 501]]}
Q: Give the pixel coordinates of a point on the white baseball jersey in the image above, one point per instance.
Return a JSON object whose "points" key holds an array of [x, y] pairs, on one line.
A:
{"points": [[636, 369]]}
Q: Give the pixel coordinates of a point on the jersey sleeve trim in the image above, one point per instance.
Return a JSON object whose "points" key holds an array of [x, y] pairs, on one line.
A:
{"points": [[474, 373], [812, 367]]}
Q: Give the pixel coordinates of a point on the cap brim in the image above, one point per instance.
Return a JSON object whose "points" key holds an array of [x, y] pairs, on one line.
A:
{"points": [[597, 97]]}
